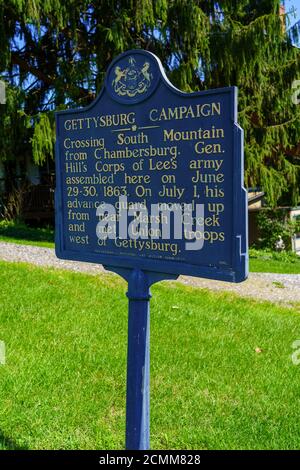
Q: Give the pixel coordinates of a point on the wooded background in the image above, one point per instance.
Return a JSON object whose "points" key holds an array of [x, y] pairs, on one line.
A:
{"points": [[54, 54]]}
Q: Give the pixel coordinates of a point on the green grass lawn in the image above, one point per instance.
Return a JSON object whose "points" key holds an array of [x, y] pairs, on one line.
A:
{"points": [[24, 235], [262, 261], [274, 266], [63, 385]]}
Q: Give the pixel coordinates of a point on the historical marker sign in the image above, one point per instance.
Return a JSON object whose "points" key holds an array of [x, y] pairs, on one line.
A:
{"points": [[150, 184], [149, 177]]}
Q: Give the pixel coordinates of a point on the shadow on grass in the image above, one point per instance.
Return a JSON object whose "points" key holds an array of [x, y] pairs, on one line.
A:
{"points": [[6, 443], [23, 232]]}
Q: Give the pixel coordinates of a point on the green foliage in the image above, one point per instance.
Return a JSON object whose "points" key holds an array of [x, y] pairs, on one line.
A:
{"points": [[267, 254], [14, 131], [11, 209], [270, 261], [273, 224], [43, 139], [20, 233], [59, 51]]}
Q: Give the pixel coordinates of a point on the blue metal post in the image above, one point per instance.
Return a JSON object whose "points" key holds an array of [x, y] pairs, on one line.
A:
{"points": [[138, 353], [138, 361]]}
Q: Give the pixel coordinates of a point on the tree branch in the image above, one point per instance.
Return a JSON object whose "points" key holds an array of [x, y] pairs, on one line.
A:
{"points": [[46, 79]]}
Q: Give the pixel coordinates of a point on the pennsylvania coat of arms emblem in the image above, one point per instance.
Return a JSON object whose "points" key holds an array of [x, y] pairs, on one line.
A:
{"points": [[132, 80]]}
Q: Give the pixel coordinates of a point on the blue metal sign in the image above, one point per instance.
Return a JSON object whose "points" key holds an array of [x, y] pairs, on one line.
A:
{"points": [[145, 147], [150, 184]]}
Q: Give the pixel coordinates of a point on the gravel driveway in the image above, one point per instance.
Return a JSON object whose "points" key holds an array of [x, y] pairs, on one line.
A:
{"points": [[281, 288]]}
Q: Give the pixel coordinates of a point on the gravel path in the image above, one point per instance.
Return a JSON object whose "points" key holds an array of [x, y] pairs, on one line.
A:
{"points": [[280, 288]]}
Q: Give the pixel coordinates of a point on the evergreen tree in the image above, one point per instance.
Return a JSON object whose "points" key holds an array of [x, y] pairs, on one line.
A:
{"points": [[54, 54]]}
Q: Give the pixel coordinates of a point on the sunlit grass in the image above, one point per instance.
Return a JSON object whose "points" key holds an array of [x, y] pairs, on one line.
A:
{"points": [[221, 369]]}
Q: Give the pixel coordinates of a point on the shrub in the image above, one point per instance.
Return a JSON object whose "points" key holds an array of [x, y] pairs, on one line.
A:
{"points": [[266, 254], [11, 209], [272, 224]]}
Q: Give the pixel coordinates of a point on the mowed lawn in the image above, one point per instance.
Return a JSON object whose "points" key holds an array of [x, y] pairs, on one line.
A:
{"points": [[274, 266], [63, 384]]}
